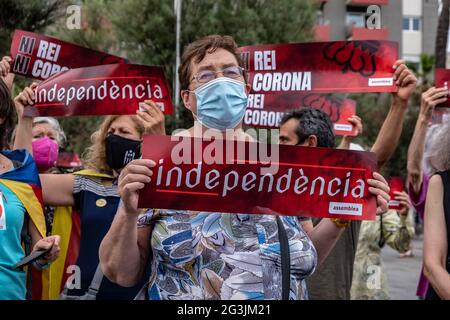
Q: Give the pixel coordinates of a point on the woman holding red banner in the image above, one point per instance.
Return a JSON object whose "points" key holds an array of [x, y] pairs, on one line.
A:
{"points": [[48, 138], [92, 193], [20, 209], [436, 248], [210, 255]]}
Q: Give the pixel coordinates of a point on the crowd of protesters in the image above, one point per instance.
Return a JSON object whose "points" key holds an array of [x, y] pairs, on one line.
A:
{"points": [[91, 218]]}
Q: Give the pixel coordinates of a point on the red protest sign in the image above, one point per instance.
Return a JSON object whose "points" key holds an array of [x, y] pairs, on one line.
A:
{"points": [[242, 177], [114, 89], [39, 57], [338, 109], [285, 76], [321, 67], [396, 185], [441, 79]]}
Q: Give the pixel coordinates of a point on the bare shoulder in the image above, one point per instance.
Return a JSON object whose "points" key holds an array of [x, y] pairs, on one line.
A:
{"points": [[435, 196], [435, 182]]}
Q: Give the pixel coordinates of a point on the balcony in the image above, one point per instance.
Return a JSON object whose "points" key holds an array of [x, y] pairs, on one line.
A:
{"points": [[322, 32], [358, 33], [367, 2]]}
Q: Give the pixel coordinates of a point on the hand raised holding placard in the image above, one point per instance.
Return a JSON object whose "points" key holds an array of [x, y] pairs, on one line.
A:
{"points": [[151, 118], [5, 66], [132, 179], [24, 127], [406, 80], [405, 202], [430, 99], [25, 98], [5, 71], [380, 188], [346, 140]]}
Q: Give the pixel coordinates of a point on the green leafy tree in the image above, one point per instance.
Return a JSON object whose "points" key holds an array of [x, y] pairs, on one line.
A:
{"points": [[30, 15], [149, 37], [373, 109]]}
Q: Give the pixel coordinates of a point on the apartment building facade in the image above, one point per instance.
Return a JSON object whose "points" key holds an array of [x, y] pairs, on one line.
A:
{"points": [[411, 23]]}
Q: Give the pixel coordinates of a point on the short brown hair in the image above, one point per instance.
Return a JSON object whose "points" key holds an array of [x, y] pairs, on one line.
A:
{"points": [[197, 50]]}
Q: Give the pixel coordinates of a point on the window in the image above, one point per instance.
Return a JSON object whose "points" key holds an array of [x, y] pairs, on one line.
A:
{"points": [[416, 24], [405, 23], [411, 24], [357, 19]]}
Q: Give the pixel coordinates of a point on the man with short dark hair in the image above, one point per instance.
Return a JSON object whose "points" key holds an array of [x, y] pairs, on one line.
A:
{"points": [[307, 126]]}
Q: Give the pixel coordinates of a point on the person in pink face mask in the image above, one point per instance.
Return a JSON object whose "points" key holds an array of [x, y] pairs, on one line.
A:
{"points": [[48, 137]]}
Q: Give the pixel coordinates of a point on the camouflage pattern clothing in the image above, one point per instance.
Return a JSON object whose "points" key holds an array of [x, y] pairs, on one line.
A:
{"points": [[369, 279]]}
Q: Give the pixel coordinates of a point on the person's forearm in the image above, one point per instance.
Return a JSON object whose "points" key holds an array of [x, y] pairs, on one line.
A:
{"points": [[324, 237], [439, 279], [24, 134], [119, 251], [344, 145], [34, 233], [390, 132], [9, 80], [415, 153]]}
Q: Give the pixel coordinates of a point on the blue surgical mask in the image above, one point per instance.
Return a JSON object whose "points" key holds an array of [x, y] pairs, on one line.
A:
{"points": [[221, 103]]}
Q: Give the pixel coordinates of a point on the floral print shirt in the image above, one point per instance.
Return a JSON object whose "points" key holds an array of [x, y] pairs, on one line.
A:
{"points": [[204, 255]]}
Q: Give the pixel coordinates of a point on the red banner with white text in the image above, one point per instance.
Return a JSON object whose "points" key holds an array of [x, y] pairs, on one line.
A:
{"points": [[247, 177], [289, 76], [39, 57], [113, 89], [338, 109], [395, 185], [322, 67]]}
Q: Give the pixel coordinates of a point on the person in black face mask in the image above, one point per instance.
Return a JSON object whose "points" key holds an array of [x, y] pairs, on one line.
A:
{"points": [[93, 193], [120, 151]]}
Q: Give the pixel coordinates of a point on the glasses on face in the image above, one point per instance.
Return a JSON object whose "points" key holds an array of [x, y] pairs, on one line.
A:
{"points": [[208, 75]]}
